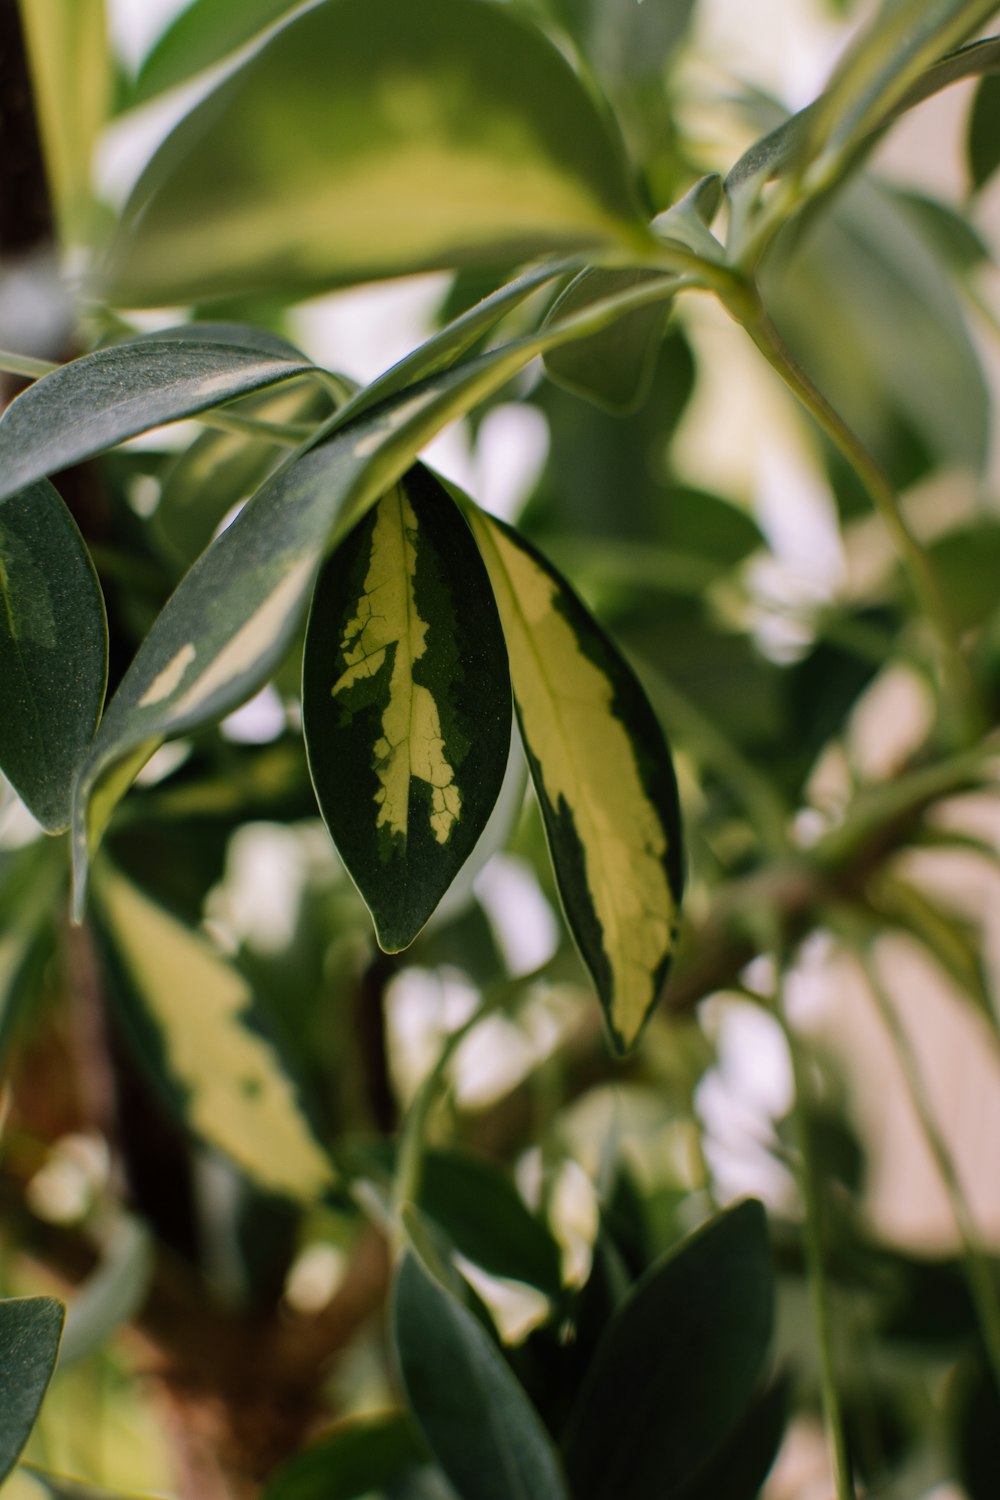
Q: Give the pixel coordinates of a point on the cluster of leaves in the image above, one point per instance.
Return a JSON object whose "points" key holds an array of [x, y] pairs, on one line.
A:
{"points": [[357, 139]]}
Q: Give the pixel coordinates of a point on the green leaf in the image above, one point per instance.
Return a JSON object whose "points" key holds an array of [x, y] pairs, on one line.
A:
{"points": [[475, 1416], [53, 651], [613, 368], [219, 469], [100, 400], [192, 1018], [228, 624], [205, 32], [603, 776], [678, 1365], [30, 1328], [370, 138], [71, 74], [487, 1220], [406, 702], [361, 1457], [738, 1472], [983, 142]]}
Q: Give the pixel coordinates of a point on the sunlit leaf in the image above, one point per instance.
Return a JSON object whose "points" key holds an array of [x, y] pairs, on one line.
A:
{"points": [[678, 1365], [53, 651], [406, 702], [193, 1019], [373, 137], [603, 776], [477, 1420], [205, 32], [116, 393], [30, 1328]]}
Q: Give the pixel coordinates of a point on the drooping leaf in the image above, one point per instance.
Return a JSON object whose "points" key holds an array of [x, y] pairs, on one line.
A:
{"points": [[228, 624], [405, 693], [603, 776], [205, 33], [678, 1366], [53, 651], [475, 1416], [983, 143], [192, 1018], [361, 1457], [370, 138], [116, 393], [30, 1329]]}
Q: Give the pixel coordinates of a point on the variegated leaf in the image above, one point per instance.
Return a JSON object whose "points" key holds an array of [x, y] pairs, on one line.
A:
{"points": [[603, 776], [228, 624], [193, 1019], [53, 651], [406, 702]]}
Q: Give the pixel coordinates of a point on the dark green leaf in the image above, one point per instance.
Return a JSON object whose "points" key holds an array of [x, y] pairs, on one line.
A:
{"points": [[976, 1430], [373, 137], [739, 1470], [30, 1329], [406, 702], [53, 651], [360, 1458], [205, 32], [102, 399], [487, 1220], [983, 145], [204, 1041], [603, 776], [476, 1418], [678, 1366]]}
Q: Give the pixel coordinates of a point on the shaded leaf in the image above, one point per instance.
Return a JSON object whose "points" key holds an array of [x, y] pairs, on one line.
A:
{"points": [[205, 33], [30, 1329], [603, 776], [477, 1420], [226, 627], [677, 1368], [53, 651], [738, 1472], [369, 138], [975, 1432], [613, 368], [116, 393], [983, 143], [192, 1018], [359, 1458], [113, 1293], [487, 1220], [406, 702]]}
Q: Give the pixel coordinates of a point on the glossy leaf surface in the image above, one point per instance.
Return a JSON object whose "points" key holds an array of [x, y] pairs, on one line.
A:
{"points": [[53, 651], [475, 1416], [116, 393], [203, 34], [603, 776], [30, 1329], [678, 1365], [406, 702], [193, 1020], [369, 138]]}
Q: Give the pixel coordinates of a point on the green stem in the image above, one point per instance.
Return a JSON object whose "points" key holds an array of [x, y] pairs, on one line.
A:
{"points": [[956, 679], [815, 1264], [975, 1262], [22, 364]]}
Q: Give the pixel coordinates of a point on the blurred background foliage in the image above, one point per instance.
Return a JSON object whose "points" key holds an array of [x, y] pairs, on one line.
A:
{"points": [[735, 559]]}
